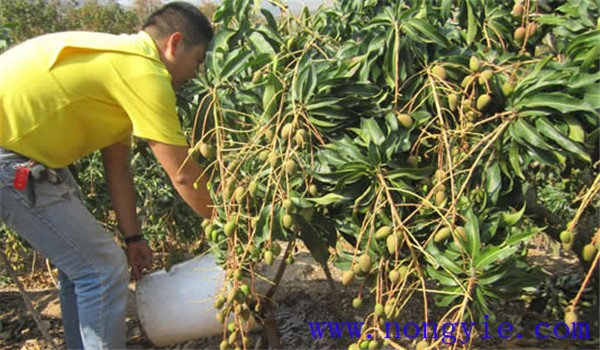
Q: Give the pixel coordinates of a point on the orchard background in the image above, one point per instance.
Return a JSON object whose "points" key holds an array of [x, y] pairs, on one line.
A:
{"points": [[414, 148]]}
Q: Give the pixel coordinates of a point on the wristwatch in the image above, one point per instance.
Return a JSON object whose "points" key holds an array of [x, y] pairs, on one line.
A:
{"points": [[134, 238]]}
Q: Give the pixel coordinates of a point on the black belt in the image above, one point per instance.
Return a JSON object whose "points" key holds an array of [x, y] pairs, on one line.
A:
{"points": [[40, 172]]}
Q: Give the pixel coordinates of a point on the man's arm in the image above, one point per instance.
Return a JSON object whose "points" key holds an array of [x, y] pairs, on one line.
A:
{"points": [[120, 187], [171, 158], [122, 196]]}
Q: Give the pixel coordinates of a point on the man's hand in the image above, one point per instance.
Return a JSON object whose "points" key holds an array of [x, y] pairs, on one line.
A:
{"points": [[139, 256]]}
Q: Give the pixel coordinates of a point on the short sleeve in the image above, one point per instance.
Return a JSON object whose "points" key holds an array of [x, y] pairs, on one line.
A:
{"points": [[148, 99]]}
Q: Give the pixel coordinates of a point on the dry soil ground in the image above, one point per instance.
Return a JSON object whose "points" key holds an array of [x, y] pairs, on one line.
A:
{"points": [[303, 296]]}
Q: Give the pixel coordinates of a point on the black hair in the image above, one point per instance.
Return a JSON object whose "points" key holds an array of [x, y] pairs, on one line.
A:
{"points": [[180, 17]]}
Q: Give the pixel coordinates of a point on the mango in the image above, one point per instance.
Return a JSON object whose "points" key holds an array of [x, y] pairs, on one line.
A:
{"points": [[383, 232], [452, 102], [290, 167], [519, 35], [268, 256], [392, 242], [589, 252], [287, 130], [252, 188], [570, 318], [405, 120], [442, 234], [347, 277], [364, 261], [440, 197], [517, 10], [422, 345], [439, 71], [531, 29], [483, 101], [287, 221], [566, 236], [474, 63], [378, 310], [239, 194], [288, 204], [394, 276], [206, 150], [229, 228]]}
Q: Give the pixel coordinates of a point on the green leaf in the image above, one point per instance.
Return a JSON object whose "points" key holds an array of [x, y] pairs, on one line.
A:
{"points": [[491, 277], [481, 303], [519, 237], [438, 258], [555, 100], [492, 254], [235, 64], [221, 40], [397, 172], [312, 239], [527, 133], [426, 32], [592, 96], [534, 81], [472, 228], [442, 277], [241, 8], [446, 8], [309, 87], [373, 130], [576, 132], [270, 19], [447, 299], [271, 96], [377, 43], [514, 159], [389, 61], [327, 227], [582, 79], [263, 231], [544, 157], [511, 219], [591, 57], [583, 42], [472, 27], [551, 20], [552, 133], [277, 230], [305, 81], [493, 181], [259, 44], [328, 199]]}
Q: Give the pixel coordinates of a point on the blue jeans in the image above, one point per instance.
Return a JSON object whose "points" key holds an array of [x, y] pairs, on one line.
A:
{"points": [[93, 268]]}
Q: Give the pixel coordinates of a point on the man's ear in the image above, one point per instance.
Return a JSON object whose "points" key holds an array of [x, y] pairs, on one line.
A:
{"points": [[173, 43]]}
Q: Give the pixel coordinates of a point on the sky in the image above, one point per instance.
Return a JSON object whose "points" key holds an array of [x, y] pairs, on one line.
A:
{"points": [[295, 5]]}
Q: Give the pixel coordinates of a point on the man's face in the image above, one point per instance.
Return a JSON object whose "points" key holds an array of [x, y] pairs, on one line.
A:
{"points": [[187, 59]]}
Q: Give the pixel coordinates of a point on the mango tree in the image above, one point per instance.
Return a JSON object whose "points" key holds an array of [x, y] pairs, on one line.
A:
{"points": [[405, 141]]}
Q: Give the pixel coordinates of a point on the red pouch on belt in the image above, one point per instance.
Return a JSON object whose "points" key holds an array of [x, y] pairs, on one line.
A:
{"points": [[21, 178]]}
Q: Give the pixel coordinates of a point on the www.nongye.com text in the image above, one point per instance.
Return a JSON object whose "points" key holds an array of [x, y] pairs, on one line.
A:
{"points": [[449, 331]]}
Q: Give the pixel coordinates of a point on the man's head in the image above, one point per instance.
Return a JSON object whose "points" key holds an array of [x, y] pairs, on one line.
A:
{"points": [[182, 34]]}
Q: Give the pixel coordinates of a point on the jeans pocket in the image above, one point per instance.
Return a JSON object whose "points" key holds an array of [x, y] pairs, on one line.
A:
{"points": [[37, 193], [7, 173], [47, 193]]}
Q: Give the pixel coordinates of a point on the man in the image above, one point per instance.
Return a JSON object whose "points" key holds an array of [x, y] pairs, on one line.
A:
{"points": [[65, 95]]}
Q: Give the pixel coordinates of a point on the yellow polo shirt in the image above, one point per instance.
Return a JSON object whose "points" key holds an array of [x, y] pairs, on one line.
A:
{"points": [[66, 95]]}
